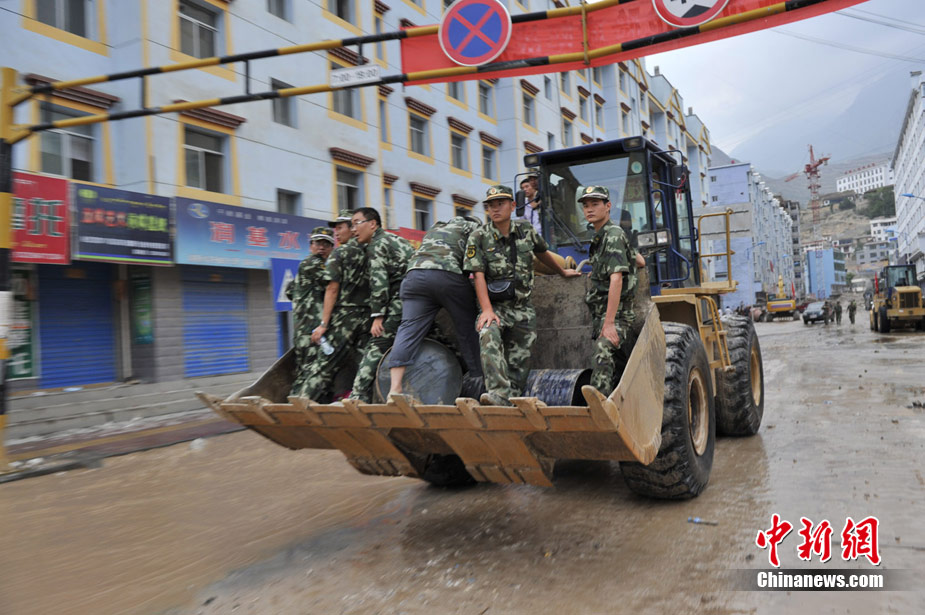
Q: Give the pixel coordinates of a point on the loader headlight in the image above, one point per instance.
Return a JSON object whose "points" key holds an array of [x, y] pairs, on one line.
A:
{"points": [[653, 239], [531, 160]]}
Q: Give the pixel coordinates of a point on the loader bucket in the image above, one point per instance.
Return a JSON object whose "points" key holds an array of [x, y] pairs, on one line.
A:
{"points": [[516, 444]]}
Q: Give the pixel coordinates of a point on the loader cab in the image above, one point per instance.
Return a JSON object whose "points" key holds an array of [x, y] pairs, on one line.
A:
{"points": [[648, 192]]}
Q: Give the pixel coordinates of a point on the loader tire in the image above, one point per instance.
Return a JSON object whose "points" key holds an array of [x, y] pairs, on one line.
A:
{"points": [[740, 395], [446, 471], [682, 467], [884, 321]]}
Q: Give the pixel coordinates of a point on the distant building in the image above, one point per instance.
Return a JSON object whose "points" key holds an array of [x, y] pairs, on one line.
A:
{"points": [[909, 166], [761, 233], [793, 208], [874, 252], [825, 272], [870, 177], [882, 229]]}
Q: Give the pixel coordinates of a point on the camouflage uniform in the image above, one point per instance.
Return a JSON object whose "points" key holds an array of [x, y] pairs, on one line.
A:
{"points": [[349, 321], [505, 350], [306, 292], [388, 256], [610, 253]]}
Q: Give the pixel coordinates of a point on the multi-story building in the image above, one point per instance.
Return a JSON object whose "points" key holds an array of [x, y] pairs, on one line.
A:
{"points": [[882, 229], [825, 272], [419, 153], [869, 177], [909, 168], [874, 253], [761, 233]]}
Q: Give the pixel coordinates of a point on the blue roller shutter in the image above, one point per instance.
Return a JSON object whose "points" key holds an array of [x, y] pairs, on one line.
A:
{"points": [[76, 327], [214, 322]]}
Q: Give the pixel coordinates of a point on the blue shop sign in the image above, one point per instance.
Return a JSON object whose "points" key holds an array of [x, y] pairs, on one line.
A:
{"points": [[232, 236], [119, 226]]}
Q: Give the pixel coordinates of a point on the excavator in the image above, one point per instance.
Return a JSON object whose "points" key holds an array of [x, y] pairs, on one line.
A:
{"points": [[780, 305]]}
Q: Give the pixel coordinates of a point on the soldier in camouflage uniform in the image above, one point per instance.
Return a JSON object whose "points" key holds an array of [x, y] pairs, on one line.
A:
{"points": [[345, 316], [610, 293], [306, 292], [502, 251], [435, 280], [388, 256]]}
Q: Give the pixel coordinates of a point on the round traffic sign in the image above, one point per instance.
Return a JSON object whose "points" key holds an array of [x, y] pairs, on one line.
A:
{"points": [[688, 13], [475, 32]]}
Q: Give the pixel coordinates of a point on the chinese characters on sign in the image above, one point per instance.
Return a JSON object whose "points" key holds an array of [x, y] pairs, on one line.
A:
{"points": [[231, 236], [858, 539], [21, 363], [121, 226], [40, 222]]}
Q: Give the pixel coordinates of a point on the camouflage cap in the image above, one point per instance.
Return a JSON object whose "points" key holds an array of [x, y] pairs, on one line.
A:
{"points": [[345, 215], [596, 192], [322, 233], [499, 192]]}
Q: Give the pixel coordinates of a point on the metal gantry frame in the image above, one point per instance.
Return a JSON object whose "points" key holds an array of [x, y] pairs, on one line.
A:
{"points": [[13, 94]]}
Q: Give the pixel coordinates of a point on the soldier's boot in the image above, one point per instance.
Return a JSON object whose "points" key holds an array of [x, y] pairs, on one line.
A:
{"points": [[493, 399]]}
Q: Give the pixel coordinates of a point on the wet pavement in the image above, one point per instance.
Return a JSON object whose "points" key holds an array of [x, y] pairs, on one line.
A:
{"points": [[236, 524]]}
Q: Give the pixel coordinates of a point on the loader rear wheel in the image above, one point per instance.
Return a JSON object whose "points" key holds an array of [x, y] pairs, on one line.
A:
{"points": [[740, 395], [682, 467]]}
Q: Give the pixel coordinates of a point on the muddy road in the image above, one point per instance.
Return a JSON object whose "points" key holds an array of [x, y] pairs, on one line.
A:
{"points": [[236, 524]]}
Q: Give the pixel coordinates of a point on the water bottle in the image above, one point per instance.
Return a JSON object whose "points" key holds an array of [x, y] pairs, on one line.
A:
{"points": [[326, 346]]}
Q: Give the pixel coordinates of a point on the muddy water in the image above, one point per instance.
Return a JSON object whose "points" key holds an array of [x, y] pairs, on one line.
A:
{"points": [[243, 526]]}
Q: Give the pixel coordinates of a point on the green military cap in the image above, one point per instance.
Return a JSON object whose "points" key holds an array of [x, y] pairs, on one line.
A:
{"points": [[499, 192], [596, 192], [322, 233], [345, 215]]}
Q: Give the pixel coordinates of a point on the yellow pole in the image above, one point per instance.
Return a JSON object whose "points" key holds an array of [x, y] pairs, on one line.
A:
{"points": [[6, 242]]}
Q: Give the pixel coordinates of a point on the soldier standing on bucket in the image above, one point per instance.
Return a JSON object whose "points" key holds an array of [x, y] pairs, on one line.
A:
{"points": [[345, 316], [388, 257], [500, 255], [610, 293], [435, 279], [852, 308], [306, 292]]}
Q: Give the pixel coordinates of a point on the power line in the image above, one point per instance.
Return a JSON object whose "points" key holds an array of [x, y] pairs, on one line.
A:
{"points": [[850, 47], [857, 10], [906, 27]]}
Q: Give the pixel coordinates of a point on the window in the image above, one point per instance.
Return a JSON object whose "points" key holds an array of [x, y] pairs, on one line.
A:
{"points": [[68, 15], [583, 107], [387, 202], [349, 189], [597, 74], [205, 159], [565, 82], [599, 114], [715, 198], [278, 8], [344, 9], [283, 108], [345, 101], [566, 133], [420, 140], [198, 30], [547, 88], [456, 91], [622, 80], [463, 211], [422, 213], [625, 122], [529, 110], [287, 202], [459, 151], [712, 178], [489, 158], [486, 98], [550, 141], [380, 46], [68, 152], [383, 120]]}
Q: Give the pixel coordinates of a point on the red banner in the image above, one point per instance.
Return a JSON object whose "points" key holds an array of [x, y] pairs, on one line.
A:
{"points": [[623, 23], [411, 234], [41, 220]]}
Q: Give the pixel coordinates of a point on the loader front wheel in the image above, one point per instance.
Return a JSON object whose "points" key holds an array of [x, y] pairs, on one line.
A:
{"points": [[740, 395], [682, 467]]}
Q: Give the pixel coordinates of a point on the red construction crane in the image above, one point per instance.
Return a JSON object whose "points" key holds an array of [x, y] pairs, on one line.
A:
{"points": [[811, 170]]}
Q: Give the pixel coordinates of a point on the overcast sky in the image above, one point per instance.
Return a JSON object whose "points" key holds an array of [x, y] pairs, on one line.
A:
{"points": [[741, 85]]}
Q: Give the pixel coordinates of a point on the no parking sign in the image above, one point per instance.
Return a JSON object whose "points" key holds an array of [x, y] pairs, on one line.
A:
{"points": [[475, 32]]}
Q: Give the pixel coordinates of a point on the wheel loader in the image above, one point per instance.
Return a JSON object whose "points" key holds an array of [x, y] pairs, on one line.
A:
{"points": [[689, 374], [897, 300]]}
